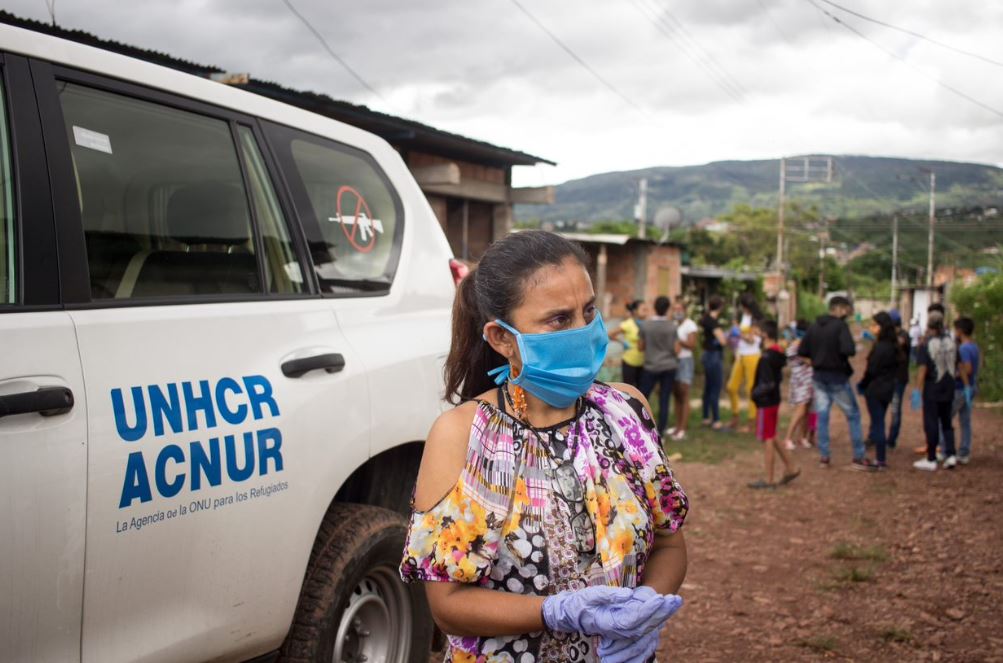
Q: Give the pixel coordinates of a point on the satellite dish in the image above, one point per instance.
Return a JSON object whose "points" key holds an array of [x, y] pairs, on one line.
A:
{"points": [[666, 217]]}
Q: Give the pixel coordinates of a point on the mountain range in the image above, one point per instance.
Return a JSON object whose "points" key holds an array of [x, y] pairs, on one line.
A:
{"points": [[861, 186]]}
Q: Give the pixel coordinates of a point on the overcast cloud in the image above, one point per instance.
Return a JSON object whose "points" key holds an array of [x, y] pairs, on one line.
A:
{"points": [[482, 68]]}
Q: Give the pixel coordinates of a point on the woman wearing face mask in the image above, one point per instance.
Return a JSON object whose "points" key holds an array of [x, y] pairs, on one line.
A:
{"points": [[545, 519]]}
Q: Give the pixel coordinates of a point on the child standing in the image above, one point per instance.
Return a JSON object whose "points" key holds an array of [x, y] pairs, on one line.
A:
{"points": [[766, 396], [802, 395], [966, 384]]}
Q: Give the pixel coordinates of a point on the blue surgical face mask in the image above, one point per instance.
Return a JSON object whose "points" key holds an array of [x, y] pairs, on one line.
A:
{"points": [[558, 367]]}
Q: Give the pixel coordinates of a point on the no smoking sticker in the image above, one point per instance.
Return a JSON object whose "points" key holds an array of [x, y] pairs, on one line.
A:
{"points": [[359, 225]]}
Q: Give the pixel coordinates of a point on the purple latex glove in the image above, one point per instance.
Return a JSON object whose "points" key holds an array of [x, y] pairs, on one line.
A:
{"points": [[572, 611], [644, 611], [629, 650], [610, 612]]}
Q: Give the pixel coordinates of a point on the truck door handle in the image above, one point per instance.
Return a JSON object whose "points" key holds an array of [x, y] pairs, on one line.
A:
{"points": [[331, 362], [46, 401]]}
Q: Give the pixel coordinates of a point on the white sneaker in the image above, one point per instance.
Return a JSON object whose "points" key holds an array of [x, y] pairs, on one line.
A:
{"points": [[924, 464], [950, 462], [669, 432], [964, 460]]}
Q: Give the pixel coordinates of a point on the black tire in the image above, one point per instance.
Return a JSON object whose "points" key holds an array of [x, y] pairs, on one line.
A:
{"points": [[353, 573]]}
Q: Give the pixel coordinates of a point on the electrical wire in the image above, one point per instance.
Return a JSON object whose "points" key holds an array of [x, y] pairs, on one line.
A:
{"points": [[776, 26], [665, 15], [946, 86], [574, 56], [915, 34], [330, 51], [665, 31]]}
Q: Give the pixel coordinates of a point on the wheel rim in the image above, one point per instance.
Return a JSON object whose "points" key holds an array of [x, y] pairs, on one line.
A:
{"points": [[375, 626]]}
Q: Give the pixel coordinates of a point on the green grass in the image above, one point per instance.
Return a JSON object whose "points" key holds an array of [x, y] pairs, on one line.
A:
{"points": [[850, 551], [854, 574], [895, 634], [705, 445], [823, 644]]}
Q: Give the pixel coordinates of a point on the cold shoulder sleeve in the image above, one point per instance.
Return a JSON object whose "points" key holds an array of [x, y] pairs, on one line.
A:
{"points": [[457, 539]]}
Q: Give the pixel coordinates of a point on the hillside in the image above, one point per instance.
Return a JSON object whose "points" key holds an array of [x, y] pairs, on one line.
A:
{"points": [[862, 186]]}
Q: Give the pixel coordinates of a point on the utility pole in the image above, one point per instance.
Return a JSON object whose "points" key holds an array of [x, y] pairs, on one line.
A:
{"points": [[780, 222], [895, 258], [823, 237], [641, 211], [933, 222], [794, 169]]}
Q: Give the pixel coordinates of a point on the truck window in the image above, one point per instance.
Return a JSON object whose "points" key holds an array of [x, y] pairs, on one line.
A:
{"points": [[351, 215], [8, 294], [282, 269], [162, 199]]}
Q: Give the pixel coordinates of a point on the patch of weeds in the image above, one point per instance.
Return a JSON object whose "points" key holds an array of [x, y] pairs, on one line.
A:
{"points": [[823, 644], [882, 487], [854, 574], [827, 586], [864, 522], [895, 634], [850, 551]]}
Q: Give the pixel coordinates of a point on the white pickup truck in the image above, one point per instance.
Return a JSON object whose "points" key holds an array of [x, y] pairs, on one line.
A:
{"points": [[222, 328]]}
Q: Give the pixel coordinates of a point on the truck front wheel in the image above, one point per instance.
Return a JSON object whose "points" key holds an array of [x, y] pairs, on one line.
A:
{"points": [[353, 607]]}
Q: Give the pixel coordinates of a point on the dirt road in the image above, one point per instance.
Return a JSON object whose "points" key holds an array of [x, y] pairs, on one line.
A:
{"points": [[897, 566]]}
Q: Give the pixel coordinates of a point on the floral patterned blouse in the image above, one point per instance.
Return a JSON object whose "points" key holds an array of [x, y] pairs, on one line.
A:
{"points": [[539, 511]]}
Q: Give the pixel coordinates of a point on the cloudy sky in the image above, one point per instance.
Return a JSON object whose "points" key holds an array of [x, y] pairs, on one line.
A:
{"points": [[655, 82]]}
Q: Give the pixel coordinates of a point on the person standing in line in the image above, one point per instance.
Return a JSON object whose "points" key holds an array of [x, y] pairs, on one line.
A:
{"points": [[801, 394], [829, 345], [934, 392], [687, 342], [658, 343], [766, 394], [747, 354], [967, 383], [915, 337], [938, 309], [902, 347], [878, 383], [712, 359], [633, 359]]}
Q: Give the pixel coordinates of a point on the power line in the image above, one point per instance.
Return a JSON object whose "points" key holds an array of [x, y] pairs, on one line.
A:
{"points": [[663, 13], [915, 34], [665, 32], [776, 26], [574, 56], [892, 54], [330, 51]]}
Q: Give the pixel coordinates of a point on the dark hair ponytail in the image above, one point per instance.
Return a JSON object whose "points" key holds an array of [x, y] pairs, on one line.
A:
{"points": [[491, 292], [747, 300]]}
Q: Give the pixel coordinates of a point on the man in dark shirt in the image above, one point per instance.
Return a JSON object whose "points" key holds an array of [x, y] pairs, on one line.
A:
{"points": [[829, 345]]}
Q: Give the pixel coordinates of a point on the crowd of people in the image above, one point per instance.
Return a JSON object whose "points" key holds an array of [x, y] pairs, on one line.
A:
{"points": [[659, 353]]}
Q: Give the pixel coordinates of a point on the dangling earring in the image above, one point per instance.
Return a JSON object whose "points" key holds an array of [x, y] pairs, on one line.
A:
{"points": [[518, 395]]}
